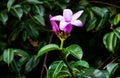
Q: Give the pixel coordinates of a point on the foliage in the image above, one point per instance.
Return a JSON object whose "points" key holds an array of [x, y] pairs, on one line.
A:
{"points": [[29, 48]]}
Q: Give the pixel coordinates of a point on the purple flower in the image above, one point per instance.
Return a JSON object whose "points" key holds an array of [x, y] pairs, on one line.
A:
{"points": [[55, 27], [68, 19]]}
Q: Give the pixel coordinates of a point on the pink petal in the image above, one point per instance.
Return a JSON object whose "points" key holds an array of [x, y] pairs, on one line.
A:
{"points": [[57, 18], [77, 23], [55, 27], [68, 29], [63, 24], [77, 15], [67, 14]]}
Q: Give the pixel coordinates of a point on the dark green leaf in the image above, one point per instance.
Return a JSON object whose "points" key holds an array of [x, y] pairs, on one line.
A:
{"points": [[3, 17], [38, 10], [23, 54], [32, 63], [117, 19], [26, 8], [117, 32], [102, 12], [34, 1], [39, 19], [110, 41], [8, 55], [111, 68], [101, 23], [93, 73], [91, 24], [106, 73], [47, 48], [17, 11], [55, 68], [9, 4], [75, 50], [32, 31], [81, 63]]}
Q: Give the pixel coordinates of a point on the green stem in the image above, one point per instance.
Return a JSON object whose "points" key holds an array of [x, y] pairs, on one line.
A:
{"points": [[62, 42], [63, 56]]}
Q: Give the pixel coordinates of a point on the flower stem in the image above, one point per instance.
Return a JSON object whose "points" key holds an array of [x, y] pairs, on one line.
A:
{"points": [[62, 42], [63, 56]]}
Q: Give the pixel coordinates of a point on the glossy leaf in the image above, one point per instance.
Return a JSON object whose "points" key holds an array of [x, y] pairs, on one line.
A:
{"points": [[75, 50], [91, 24], [21, 53], [93, 73], [64, 74], [15, 66], [34, 1], [3, 17], [101, 23], [55, 68], [9, 4], [81, 63], [17, 11], [32, 63], [110, 41], [106, 73], [26, 8], [117, 19], [47, 48], [39, 19], [32, 31], [38, 10], [102, 12], [117, 32], [111, 68], [8, 55]]}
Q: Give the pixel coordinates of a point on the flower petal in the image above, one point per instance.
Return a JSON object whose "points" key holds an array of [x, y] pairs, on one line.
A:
{"points": [[77, 23], [55, 27], [63, 24], [68, 29], [57, 18], [77, 15], [67, 14]]}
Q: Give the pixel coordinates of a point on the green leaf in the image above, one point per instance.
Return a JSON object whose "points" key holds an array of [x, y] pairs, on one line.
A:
{"points": [[101, 23], [64, 74], [34, 1], [116, 19], [111, 68], [106, 73], [17, 11], [8, 55], [80, 63], [32, 63], [23, 54], [93, 73], [9, 4], [117, 32], [39, 19], [75, 50], [32, 31], [102, 12], [38, 10], [3, 17], [47, 48], [55, 68], [110, 41], [91, 24], [26, 8]]}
